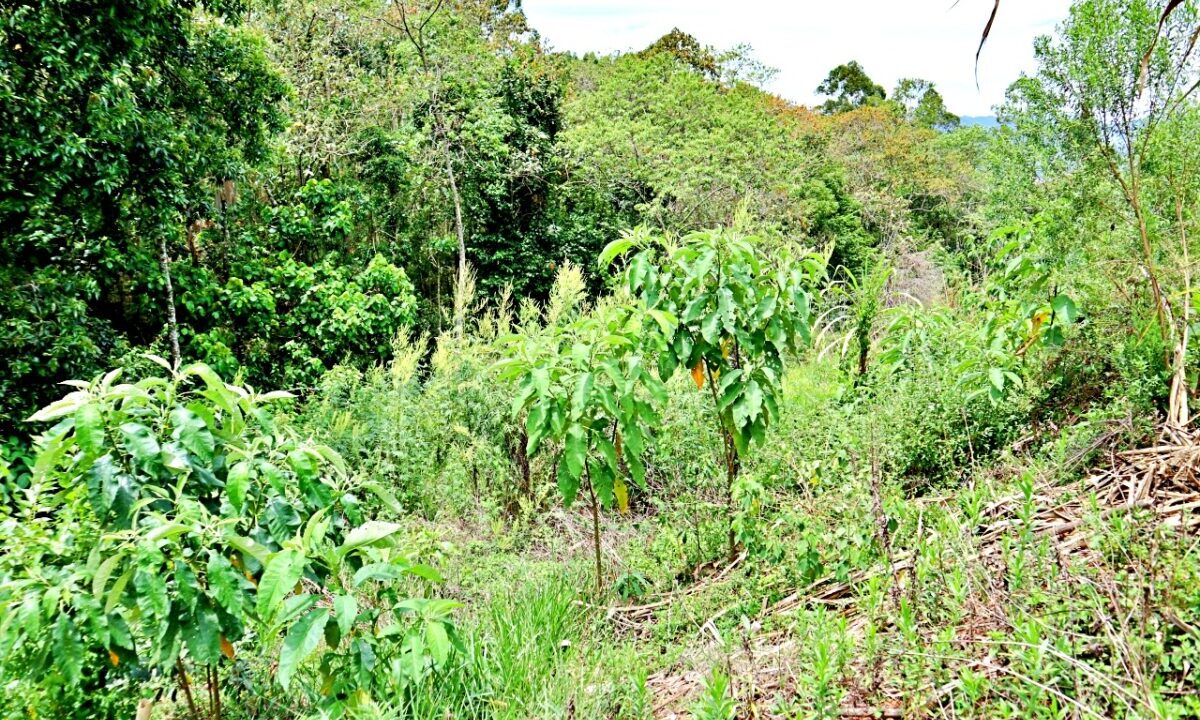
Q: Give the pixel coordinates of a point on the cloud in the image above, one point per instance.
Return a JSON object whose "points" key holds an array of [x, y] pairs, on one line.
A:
{"points": [[892, 39]]}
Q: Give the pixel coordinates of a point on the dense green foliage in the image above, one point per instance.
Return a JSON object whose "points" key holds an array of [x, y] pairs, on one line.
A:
{"points": [[118, 127], [171, 518], [699, 401]]}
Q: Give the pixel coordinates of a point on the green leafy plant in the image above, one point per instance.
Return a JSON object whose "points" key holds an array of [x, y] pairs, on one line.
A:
{"points": [[1022, 309], [738, 318], [715, 702], [170, 521], [585, 387]]}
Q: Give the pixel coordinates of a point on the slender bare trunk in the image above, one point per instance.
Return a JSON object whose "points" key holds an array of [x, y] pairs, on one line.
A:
{"points": [[458, 220], [732, 466], [595, 529], [187, 688], [1160, 307], [172, 324], [214, 674], [1178, 414]]}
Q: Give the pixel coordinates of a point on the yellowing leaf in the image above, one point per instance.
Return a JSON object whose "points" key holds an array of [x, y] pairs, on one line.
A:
{"points": [[698, 375], [112, 658], [622, 494], [226, 647]]}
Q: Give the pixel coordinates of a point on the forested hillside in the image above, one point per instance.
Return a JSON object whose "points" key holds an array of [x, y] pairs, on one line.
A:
{"points": [[375, 359]]}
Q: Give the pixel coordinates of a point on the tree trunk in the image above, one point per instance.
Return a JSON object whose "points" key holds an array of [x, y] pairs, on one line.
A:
{"points": [[172, 324], [187, 688], [1178, 414], [1160, 306], [732, 466], [459, 231], [595, 531]]}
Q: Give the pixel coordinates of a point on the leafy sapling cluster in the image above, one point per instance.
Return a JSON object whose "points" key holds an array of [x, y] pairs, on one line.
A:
{"points": [[739, 315], [172, 525], [587, 392]]}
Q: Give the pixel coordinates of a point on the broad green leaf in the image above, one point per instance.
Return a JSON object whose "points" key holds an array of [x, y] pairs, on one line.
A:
{"points": [[68, 650], [666, 320], [173, 458], [276, 395], [273, 476], [525, 391], [540, 377], [237, 483], [61, 408], [582, 395], [152, 597], [385, 496], [345, 610], [48, 459], [89, 429], [753, 397], [303, 462], [368, 534], [192, 432], [1064, 307], [710, 328], [568, 483], [160, 361], [140, 441], [438, 641], [608, 451], [118, 590], [537, 425], [203, 636], [613, 250], [301, 640], [281, 575], [249, 547], [575, 450], [424, 572], [100, 580], [225, 583], [695, 309], [379, 571], [167, 531]]}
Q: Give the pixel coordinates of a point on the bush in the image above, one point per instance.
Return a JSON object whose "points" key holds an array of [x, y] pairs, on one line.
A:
{"points": [[433, 427], [172, 526]]}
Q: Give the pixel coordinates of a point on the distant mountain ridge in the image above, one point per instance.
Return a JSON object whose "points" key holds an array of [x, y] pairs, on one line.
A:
{"points": [[988, 121]]}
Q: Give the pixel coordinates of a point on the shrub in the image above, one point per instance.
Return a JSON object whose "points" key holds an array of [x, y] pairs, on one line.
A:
{"points": [[172, 524]]}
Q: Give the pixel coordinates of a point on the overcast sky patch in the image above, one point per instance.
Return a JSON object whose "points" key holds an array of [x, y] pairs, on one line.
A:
{"points": [[892, 39]]}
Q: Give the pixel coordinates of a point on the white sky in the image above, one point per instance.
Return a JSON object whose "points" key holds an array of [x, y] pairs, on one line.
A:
{"points": [[804, 39]]}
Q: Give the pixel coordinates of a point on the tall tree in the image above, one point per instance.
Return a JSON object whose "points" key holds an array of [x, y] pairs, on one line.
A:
{"points": [[687, 50], [118, 122], [923, 104], [848, 87], [1118, 75]]}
